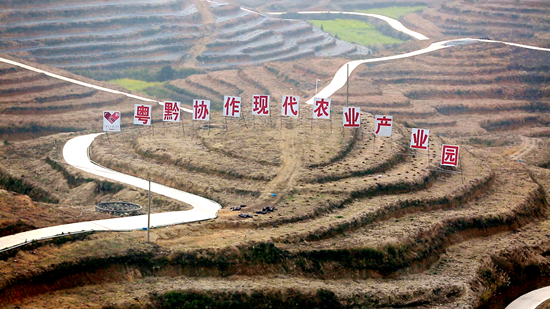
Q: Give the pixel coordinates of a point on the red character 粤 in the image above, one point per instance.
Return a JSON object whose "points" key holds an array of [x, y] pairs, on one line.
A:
{"points": [[142, 113]]}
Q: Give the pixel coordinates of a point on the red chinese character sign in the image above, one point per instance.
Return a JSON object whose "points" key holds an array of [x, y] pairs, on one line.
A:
{"points": [[321, 108], [232, 106], [260, 105], [111, 121], [352, 117], [142, 114], [201, 110], [171, 111], [449, 155], [383, 125], [290, 106], [419, 138]]}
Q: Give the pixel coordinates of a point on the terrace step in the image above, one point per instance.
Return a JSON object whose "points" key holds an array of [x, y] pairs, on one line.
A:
{"points": [[325, 214], [157, 58], [423, 236], [113, 54], [446, 193], [71, 105], [19, 78], [43, 86], [364, 157]]}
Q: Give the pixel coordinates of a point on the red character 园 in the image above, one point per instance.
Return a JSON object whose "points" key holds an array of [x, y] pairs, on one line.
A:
{"points": [[449, 155]]}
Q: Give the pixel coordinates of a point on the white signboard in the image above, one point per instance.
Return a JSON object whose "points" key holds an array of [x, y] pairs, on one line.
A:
{"points": [[260, 105], [419, 138], [449, 155], [171, 111], [383, 125], [232, 106], [111, 121], [321, 108], [290, 106], [352, 117], [142, 114], [201, 110]]}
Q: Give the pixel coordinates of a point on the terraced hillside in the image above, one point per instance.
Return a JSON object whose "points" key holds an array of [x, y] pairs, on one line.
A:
{"points": [[99, 34], [500, 90], [33, 104], [471, 90], [349, 220], [38, 115], [523, 21], [128, 34], [246, 37], [356, 222], [506, 20]]}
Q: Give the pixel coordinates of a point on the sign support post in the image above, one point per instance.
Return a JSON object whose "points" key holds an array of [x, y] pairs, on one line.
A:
{"points": [[244, 120], [182, 129], [347, 86], [149, 211]]}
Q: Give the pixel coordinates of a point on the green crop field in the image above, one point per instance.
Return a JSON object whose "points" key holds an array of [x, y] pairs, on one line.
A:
{"points": [[395, 11], [355, 31], [134, 85]]}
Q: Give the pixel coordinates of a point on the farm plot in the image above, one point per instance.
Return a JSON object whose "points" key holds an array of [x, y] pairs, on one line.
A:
{"points": [[248, 38], [457, 95], [107, 34], [492, 20], [26, 103], [92, 37]]}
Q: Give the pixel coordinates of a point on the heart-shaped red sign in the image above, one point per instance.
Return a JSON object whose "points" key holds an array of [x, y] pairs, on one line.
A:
{"points": [[111, 117]]}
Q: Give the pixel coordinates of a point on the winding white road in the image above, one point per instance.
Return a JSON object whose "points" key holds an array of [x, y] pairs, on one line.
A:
{"points": [[75, 153], [77, 82], [339, 79], [395, 24], [531, 300]]}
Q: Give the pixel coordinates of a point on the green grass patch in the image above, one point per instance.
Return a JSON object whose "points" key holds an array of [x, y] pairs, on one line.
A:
{"points": [[395, 12], [133, 84], [355, 31]]}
